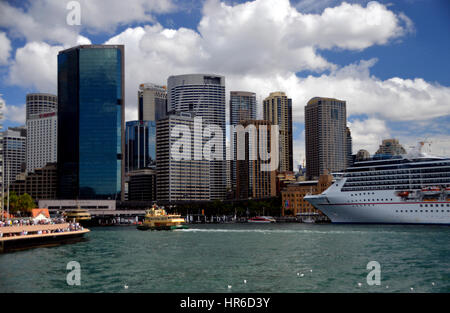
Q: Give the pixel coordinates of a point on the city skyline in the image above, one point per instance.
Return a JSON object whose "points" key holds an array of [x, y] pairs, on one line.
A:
{"points": [[388, 93]]}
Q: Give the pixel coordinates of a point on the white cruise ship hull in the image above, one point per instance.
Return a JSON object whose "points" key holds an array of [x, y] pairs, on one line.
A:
{"points": [[383, 213], [396, 190]]}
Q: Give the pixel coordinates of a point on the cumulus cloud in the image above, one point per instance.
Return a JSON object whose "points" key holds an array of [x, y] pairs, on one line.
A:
{"points": [[5, 48], [259, 46], [46, 20], [35, 66], [13, 113], [368, 133]]}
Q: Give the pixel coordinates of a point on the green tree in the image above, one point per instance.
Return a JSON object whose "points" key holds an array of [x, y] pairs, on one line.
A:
{"points": [[13, 202], [26, 203]]}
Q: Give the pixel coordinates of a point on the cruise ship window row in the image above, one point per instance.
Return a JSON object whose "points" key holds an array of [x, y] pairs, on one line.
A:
{"points": [[421, 211], [409, 176], [387, 187], [399, 172], [377, 165], [381, 171]]}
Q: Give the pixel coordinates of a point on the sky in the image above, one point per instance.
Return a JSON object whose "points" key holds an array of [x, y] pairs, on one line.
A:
{"points": [[387, 59]]}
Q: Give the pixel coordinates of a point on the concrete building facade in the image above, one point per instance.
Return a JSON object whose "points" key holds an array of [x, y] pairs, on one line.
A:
{"points": [[391, 147], [251, 180], [204, 96], [42, 140], [325, 136], [39, 184], [292, 196], [152, 102], [277, 109], [14, 153], [180, 178], [37, 103]]}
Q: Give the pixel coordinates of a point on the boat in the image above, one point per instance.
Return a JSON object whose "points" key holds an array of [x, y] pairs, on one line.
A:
{"points": [[78, 215], [373, 191], [261, 219], [158, 219], [431, 190], [26, 236]]}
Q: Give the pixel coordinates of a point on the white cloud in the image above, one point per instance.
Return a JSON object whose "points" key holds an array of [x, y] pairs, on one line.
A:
{"points": [[259, 46], [394, 99], [45, 20], [13, 113], [5, 48], [367, 134], [35, 66]]}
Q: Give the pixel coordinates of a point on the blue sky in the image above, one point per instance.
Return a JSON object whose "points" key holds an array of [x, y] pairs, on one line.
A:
{"points": [[393, 72]]}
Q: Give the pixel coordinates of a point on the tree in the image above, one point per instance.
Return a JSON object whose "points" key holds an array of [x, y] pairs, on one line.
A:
{"points": [[26, 203], [13, 202]]}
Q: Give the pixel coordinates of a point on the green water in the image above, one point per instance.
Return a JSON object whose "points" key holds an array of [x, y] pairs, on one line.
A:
{"points": [[209, 258]]}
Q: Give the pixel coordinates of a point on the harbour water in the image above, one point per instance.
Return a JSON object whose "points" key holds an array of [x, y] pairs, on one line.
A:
{"points": [[283, 257]]}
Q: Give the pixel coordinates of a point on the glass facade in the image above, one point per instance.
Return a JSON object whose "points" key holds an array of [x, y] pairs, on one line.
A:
{"points": [[140, 141], [90, 122]]}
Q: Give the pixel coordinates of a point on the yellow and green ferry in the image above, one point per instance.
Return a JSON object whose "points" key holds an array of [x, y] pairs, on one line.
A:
{"points": [[158, 219]]}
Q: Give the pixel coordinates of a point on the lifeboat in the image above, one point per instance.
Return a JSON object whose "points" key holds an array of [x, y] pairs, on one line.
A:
{"points": [[431, 190], [403, 194]]}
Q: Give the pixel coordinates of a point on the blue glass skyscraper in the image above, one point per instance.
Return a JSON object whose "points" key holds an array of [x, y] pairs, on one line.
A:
{"points": [[140, 143], [91, 122]]}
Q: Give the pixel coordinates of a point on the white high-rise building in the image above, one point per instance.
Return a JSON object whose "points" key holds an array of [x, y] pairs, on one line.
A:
{"points": [[42, 132], [40, 103], [203, 95]]}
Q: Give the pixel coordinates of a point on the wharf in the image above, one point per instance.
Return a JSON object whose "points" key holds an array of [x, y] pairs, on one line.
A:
{"points": [[13, 237]]}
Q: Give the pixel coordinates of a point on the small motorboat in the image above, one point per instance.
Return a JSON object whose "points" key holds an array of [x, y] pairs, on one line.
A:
{"points": [[261, 219]]}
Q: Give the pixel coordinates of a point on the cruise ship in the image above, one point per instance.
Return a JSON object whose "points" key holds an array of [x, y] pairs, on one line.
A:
{"points": [[406, 189]]}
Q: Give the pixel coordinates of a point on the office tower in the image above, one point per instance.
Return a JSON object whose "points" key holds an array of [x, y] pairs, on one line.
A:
{"points": [[140, 145], [142, 185], [152, 102], [42, 134], [140, 160], [277, 109], [91, 116], [325, 136], [40, 103], [390, 147], [348, 135], [14, 153], [180, 178], [40, 184], [204, 96], [242, 108], [251, 180]]}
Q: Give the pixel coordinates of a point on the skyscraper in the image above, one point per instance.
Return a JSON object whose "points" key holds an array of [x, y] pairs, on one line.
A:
{"points": [[278, 110], [242, 108], [251, 180], [140, 143], [152, 102], [348, 134], [325, 136], [42, 134], [204, 96], [14, 153], [91, 122], [38, 103], [183, 178]]}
